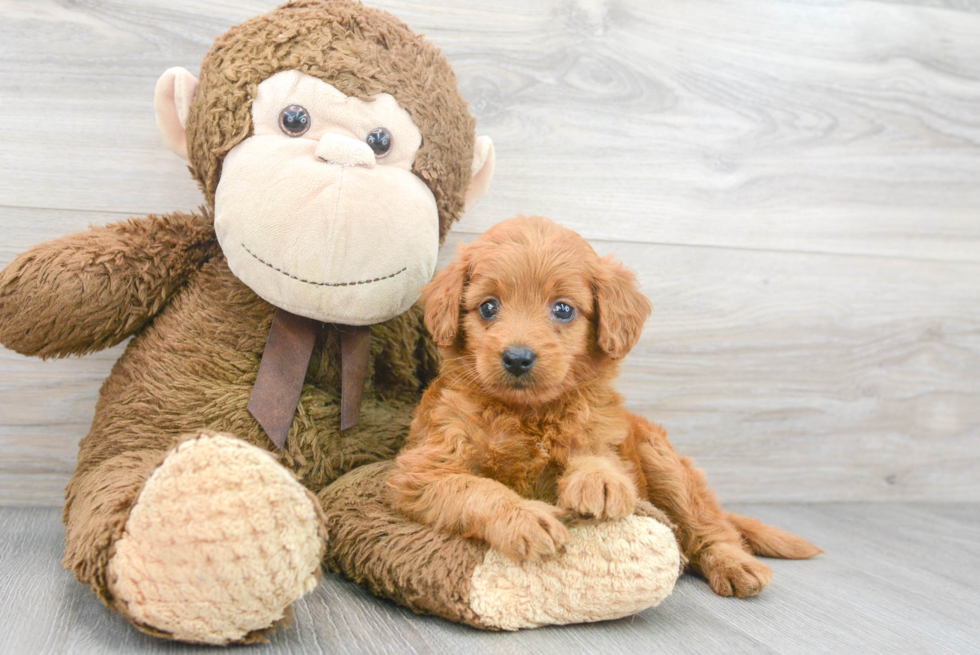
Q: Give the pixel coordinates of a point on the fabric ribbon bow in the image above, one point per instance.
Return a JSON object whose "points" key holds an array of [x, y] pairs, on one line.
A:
{"points": [[282, 371]]}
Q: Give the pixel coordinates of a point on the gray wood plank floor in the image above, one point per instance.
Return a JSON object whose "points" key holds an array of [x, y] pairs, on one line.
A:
{"points": [[895, 578]]}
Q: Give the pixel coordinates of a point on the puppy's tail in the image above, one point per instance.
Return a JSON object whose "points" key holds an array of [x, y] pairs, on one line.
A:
{"points": [[768, 541]]}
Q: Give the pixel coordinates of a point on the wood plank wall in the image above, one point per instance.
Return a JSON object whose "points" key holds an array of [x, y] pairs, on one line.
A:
{"points": [[797, 184]]}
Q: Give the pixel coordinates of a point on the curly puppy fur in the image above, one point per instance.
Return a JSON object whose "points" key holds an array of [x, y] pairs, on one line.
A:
{"points": [[505, 456]]}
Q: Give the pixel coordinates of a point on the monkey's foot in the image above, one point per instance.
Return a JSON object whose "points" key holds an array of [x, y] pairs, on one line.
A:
{"points": [[606, 570], [220, 542]]}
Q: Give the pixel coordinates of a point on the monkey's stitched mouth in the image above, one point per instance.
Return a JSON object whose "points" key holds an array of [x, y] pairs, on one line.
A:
{"points": [[322, 284]]}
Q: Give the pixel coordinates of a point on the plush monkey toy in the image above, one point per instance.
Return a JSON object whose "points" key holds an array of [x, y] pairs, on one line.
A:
{"points": [[276, 346]]}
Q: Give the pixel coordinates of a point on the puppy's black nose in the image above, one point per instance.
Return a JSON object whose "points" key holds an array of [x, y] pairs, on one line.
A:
{"points": [[518, 360]]}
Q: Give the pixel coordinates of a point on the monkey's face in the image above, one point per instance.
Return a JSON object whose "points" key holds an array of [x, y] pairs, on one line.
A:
{"points": [[319, 212], [332, 188]]}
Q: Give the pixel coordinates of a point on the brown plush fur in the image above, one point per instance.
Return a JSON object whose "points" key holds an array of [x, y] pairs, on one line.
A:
{"points": [[198, 332], [503, 457], [88, 291], [375, 546], [359, 50], [194, 368]]}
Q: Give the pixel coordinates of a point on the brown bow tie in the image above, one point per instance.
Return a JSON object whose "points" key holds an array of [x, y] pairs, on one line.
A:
{"points": [[282, 370]]}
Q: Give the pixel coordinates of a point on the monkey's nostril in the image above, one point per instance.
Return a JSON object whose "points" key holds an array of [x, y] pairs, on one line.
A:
{"points": [[518, 360]]}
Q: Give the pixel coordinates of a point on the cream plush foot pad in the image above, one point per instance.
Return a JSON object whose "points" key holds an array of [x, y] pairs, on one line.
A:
{"points": [[221, 541], [608, 570]]}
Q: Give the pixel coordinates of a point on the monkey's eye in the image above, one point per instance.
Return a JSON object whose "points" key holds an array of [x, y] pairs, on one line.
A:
{"points": [[489, 309], [563, 311], [380, 141], [294, 120]]}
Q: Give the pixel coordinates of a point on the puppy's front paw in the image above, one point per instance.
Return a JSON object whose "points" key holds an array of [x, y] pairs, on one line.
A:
{"points": [[529, 531], [733, 572], [602, 493]]}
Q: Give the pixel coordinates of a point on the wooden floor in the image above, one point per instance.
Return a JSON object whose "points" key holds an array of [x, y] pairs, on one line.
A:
{"points": [[895, 578]]}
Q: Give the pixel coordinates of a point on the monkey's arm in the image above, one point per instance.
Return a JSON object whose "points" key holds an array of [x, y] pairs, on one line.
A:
{"points": [[90, 290]]}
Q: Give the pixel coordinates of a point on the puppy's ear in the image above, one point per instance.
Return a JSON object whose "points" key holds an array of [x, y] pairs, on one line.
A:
{"points": [[621, 309], [442, 298]]}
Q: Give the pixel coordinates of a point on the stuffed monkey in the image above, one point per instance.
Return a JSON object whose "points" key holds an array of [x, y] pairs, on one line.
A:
{"points": [[276, 345]]}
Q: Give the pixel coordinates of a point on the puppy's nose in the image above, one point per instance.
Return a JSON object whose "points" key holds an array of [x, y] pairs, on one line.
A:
{"points": [[518, 360]]}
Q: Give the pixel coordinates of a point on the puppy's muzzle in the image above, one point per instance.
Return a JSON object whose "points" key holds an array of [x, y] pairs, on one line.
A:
{"points": [[518, 360]]}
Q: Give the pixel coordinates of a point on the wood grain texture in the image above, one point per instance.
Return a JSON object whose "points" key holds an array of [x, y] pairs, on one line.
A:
{"points": [[796, 184], [885, 585], [810, 126]]}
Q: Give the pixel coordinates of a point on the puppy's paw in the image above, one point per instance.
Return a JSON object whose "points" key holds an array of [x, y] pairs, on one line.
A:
{"points": [[529, 531], [733, 572], [598, 492]]}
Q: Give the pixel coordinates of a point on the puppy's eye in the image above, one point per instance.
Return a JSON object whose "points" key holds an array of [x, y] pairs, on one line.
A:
{"points": [[294, 120], [489, 309], [563, 311]]}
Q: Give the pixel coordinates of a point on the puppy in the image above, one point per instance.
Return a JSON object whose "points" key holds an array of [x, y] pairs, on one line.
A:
{"points": [[524, 428]]}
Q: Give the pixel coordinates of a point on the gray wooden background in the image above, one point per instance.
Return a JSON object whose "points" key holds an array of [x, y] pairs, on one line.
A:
{"points": [[797, 184]]}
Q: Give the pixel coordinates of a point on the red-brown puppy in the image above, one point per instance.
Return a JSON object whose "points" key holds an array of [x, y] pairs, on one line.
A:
{"points": [[523, 427]]}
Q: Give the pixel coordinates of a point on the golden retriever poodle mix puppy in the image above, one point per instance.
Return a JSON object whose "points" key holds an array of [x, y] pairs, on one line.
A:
{"points": [[524, 428]]}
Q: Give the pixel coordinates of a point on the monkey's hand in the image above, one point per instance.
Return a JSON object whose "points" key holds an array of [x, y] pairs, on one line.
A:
{"points": [[88, 291]]}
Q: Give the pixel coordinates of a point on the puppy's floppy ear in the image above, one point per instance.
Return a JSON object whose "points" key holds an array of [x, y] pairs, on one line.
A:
{"points": [[621, 309], [442, 298]]}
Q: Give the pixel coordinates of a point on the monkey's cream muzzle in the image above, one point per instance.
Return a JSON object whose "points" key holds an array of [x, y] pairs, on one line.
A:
{"points": [[318, 224], [314, 220]]}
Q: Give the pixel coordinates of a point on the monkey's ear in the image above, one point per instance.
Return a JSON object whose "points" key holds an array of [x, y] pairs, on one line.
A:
{"points": [[482, 171], [172, 102], [443, 297], [621, 308]]}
